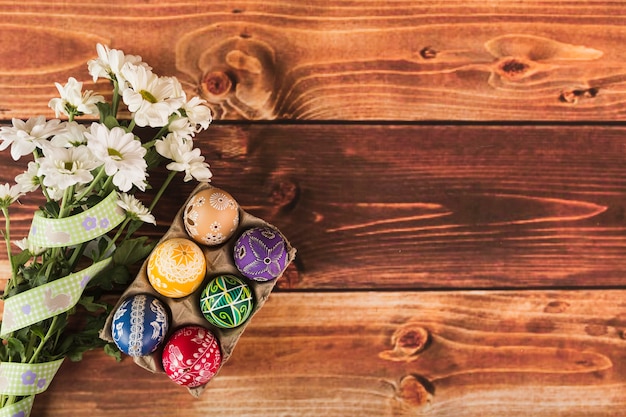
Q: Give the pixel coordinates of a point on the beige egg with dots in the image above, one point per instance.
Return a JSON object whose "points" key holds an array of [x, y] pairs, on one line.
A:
{"points": [[211, 216]]}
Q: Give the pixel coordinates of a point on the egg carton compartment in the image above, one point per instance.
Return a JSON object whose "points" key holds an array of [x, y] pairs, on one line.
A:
{"points": [[186, 311]]}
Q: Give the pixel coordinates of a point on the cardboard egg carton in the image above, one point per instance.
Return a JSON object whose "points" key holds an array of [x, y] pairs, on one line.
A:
{"points": [[186, 311]]}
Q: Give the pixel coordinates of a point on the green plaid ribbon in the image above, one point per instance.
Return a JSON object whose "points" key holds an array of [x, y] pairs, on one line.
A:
{"points": [[47, 300], [27, 378], [82, 227], [19, 409]]}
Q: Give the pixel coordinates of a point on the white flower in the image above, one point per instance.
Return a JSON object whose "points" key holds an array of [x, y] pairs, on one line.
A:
{"points": [[121, 154], [24, 137], [198, 113], [184, 158], [64, 167], [110, 62], [73, 101], [29, 180], [135, 208], [181, 128], [151, 99], [73, 135], [25, 244], [9, 194]]}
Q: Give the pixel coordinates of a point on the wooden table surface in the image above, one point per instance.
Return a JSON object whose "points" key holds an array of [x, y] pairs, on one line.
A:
{"points": [[452, 175]]}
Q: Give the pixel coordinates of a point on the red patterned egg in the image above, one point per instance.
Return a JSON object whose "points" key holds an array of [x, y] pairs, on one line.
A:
{"points": [[191, 356], [211, 216]]}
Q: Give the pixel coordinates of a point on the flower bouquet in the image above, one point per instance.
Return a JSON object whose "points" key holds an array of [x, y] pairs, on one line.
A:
{"points": [[82, 241]]}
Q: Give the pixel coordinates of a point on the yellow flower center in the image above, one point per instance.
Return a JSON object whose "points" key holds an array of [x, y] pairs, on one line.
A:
{"points": [[148, 96]]}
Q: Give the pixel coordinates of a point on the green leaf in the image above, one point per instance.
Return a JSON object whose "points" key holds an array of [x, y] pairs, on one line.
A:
{"points": [[105, 110], [15, 345], [19, 259], [111, 122], [133, 250], [112, 350], [90, 305], [37, 331], [153, 158], [106, 279]]}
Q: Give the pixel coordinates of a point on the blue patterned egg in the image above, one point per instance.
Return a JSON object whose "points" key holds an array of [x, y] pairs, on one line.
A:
{"points": [[139, 325], [261, 253]]}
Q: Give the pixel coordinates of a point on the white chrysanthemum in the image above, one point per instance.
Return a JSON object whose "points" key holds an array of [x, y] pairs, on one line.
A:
{"points": [[29, 180], [198, 113], [25, 244], [9, 194], [184, 158], [110, 62], [25, 136], [135, 208], [73, 101], [121, 154], [64, 167], [73, 135], [151, 99], [181, 128]]}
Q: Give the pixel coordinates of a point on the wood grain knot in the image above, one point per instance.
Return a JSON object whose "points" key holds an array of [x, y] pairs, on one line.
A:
{"points": [[415, 391], [284, 193], [556, 307], [291, 278], [236, 76], [408, 341], [513, 68], [596, 329], [428, 53], [575, 95], [216, 84]]}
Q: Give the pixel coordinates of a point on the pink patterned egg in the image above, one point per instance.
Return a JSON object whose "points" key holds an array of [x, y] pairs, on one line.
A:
{"points": [[191, 356]]}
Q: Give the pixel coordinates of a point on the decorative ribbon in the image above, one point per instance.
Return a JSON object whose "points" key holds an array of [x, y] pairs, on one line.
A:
{"points": [[81, 227], [19, 409], [47, 300], [27, 378], [53, 298]]}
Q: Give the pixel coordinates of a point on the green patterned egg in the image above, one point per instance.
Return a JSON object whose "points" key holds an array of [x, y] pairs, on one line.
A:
{"points": [[226, 301]]}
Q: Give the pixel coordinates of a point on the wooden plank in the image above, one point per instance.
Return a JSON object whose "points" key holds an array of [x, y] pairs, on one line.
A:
{"points": [[377, 206], [401, 60], [554, 353]]}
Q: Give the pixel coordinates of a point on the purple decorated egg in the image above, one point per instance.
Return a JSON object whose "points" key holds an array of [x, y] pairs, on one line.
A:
{"points": [[261, 253]]}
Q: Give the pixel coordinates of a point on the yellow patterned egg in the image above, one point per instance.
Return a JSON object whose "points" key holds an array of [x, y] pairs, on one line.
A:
{"points": [[211, 216], [176, 267]]}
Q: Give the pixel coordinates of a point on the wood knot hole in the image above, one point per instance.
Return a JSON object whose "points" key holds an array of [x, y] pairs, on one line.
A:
{"points": [[415, 391], [407, 342], [428, 53], [217, 84], [514, 68], [284, 193], [573, 96]]}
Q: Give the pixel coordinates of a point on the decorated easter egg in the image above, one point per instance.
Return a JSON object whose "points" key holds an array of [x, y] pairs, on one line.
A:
{"points": [[139, 325], [226, 301], [260, 253], [176, 267], [211, 216], [191, 356]]}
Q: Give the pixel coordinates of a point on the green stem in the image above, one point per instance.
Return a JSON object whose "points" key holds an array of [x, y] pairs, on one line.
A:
{"points": [[117, 236], [131, 125], [164, 186], [44, 340], [116, 98], [94, 182], [7, 241]]}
